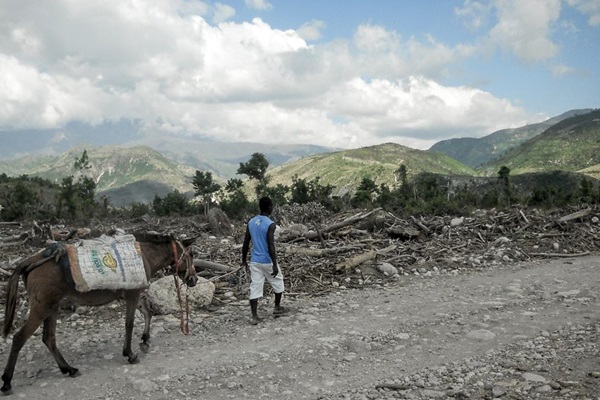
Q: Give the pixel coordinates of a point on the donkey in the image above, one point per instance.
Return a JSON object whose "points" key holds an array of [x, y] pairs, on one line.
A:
{"points": [[48, 282]]}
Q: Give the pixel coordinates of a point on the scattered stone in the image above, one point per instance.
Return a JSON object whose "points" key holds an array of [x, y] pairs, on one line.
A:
{"points": [[481, 334]]}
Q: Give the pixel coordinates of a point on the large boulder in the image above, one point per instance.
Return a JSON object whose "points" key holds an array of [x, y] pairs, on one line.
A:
{"points": [[162, 295]]}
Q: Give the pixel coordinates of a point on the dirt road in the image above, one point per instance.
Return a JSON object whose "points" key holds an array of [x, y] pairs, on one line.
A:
{"points": [[518, 331]]}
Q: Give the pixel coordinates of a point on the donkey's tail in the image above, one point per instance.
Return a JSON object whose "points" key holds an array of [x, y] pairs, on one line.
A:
{"points": [[12, 292]]}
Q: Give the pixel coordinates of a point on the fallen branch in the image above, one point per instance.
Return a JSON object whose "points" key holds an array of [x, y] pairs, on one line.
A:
{"points": [[575, 215], [4, 223], [349, 221], [419, 224], [357, 260], [585, 253], [213, 266], [10, 244], [14, 238], [524, 217], [293, 250]]}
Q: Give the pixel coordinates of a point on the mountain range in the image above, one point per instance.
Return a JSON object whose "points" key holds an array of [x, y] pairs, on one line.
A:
{"points": [[139, 165]]}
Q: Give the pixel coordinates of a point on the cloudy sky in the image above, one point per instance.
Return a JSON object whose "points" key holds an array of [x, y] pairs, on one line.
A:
{"points": [[340, 73]]}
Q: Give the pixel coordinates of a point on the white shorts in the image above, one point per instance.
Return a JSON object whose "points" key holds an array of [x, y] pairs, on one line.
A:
{"points": [[258, 273]]}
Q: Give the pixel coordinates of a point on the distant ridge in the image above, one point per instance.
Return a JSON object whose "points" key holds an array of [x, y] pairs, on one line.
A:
{"points": [[475, 152], [572, 144], [196, 151]]}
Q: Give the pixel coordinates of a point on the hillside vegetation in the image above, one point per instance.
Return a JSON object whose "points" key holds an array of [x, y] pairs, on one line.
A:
{"points": [[346, 169], [476, 152], [570, 145]]}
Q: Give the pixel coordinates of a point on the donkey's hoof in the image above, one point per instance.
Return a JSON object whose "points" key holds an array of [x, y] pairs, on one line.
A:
{"points": [[72, 372], [144, 347], [133, 359], [6, 389]]}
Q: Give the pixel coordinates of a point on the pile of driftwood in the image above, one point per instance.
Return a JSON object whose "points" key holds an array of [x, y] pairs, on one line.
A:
{"points": [[320, 251]]}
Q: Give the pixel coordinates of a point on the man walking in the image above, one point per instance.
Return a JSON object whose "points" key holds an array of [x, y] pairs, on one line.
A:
{"points": [[263, 259]]}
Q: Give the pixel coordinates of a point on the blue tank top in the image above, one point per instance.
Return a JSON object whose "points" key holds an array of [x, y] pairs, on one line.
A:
{"points": [[258, 227]]}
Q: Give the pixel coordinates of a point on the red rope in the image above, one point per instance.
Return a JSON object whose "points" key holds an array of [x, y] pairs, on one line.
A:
{"points": [[187, 306]]}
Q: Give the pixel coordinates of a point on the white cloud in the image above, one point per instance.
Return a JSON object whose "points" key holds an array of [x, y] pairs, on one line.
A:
{"points": [[588, 7], [420, 108], [559, 70], [222, 13], [258, 4], [384, 53], [524, 28], [33, 99], [163, 61], [311, 30], [475, 13]]}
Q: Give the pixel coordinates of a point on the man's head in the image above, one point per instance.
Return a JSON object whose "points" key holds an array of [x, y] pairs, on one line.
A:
{"points": [[266, 205]]}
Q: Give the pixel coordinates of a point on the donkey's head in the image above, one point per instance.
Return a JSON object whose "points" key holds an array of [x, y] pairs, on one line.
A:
{"points": [[183, 260]]}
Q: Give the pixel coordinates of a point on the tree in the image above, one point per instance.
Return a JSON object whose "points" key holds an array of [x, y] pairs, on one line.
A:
{"points": [[504, 180], [277, 193], [386, 198], [174, 203], [426, 186], [299, 191], [405, 189], [262, 187], [205, 187], [77, 194], [364, 192], [20, 202], [402, 175], [233, 184], [83, 162], [303, 191], [235, 204], [256, 168], [586, 190], [66, 197]]}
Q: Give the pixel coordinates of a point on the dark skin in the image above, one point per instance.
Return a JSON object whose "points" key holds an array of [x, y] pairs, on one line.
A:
{"points": [[272, 253]]}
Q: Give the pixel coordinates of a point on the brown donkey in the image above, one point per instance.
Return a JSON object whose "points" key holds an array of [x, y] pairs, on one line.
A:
{"points": [[48, 282]]}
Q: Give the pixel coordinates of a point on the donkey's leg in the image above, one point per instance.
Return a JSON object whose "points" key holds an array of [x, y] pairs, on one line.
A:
{"points": [[49, 339], [33, 322], [132, 299], [147, 312]]}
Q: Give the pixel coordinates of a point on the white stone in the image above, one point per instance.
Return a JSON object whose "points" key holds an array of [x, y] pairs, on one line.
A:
{"points": [[457, 221], [387, 268], [528, 376], [162, 295], [481, 334]]}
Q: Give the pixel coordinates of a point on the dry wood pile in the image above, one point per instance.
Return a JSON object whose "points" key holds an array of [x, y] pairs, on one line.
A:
{"points": [[321, 252]]}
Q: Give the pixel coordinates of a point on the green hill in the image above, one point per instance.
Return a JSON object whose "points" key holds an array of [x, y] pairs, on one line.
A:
{"points": [[119, 173], [475, 152], [570, 145], [345, 169]]}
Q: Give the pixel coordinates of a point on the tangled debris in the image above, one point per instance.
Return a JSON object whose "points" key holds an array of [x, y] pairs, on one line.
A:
{"points": [[320, 251]]}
